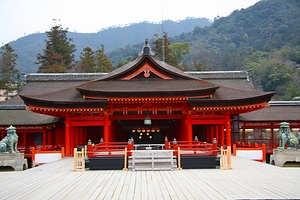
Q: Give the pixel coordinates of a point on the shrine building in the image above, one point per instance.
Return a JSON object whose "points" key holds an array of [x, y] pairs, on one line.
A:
{"points": [[146, 100]]}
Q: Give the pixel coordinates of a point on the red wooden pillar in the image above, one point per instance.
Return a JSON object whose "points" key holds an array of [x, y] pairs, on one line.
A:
{"points": [[221, 133], [67, 136], [49, 137], [189, 128], [211, 133], [74, 136], [44, 136], [216, 132], [106, 135], [207, 133], [76, 131], [81, 136], [228, 132], [53, 136]]}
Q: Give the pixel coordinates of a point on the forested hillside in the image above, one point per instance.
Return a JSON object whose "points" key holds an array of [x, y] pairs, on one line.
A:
{"points": [[263, 39], [112, 38], [268, 25]]}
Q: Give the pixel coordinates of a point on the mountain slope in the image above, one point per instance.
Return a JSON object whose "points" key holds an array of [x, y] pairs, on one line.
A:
{"points": [[267, 25], [112, 38]]}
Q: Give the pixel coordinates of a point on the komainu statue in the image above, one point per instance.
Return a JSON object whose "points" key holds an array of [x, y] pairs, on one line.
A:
{"points": [[287, 137], [9, 143]]}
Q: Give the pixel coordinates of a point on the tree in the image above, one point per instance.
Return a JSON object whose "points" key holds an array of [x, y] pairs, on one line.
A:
{"points": [[87, 61], [58, 55], [179, 50], [103, 64], [163, 51], [9, 75]]}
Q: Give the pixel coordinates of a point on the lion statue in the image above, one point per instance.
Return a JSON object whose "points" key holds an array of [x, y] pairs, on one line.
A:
{"points": [[287, 137], [10, 142]]}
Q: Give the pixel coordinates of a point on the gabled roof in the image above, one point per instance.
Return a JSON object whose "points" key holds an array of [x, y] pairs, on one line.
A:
{"points": [[143, 62], [146, 77]]}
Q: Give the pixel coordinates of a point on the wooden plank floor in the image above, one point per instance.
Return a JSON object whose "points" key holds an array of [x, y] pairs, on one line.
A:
{"points": [[247, 180]]}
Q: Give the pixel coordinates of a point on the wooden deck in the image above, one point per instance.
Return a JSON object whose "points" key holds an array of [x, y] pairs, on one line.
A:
{"points": [[247, 180]]}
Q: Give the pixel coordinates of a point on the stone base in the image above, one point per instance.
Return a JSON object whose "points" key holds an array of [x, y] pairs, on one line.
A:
{"points": [[281, 156], [15, 160]]}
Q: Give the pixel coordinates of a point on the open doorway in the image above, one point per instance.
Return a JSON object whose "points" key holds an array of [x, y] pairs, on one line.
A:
{"points": [[145, 134], [200, 132]]}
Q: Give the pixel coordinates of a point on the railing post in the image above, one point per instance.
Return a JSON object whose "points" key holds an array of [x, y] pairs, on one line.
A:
{"points": [[130, 147], [62, 152], [229, 157], [33, 156], [167, 144], [79, 162], [125, 160], [225, 158], [90, 150], [179, 160], [75, 159], [196, 141], [82, 159], [215, 147], [234, 149], [175, 146], [264, 152]]}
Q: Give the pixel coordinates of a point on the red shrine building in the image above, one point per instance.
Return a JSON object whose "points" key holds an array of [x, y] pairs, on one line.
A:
{"points": [[146, 100]]}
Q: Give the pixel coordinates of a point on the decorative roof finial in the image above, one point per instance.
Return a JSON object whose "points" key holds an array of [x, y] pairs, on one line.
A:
{"points": [[146, 50]]}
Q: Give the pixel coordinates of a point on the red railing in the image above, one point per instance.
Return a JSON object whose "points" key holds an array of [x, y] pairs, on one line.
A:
{"points": [[253, 151], [192, 148], [108, 149], [187, 148], [46, 150]]}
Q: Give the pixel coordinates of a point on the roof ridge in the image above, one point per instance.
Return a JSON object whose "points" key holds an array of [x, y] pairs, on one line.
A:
{"points": [[32, 77]]}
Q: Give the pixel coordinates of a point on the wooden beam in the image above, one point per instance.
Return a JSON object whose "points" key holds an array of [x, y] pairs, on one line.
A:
{"points": [[228, 131], [67, 136]]}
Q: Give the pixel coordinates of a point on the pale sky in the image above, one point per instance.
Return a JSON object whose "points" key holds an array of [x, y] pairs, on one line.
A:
{"points": [[19, 18]]}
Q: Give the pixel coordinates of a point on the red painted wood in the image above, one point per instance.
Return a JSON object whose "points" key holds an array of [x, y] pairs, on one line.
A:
{"points": [[228, 131], [146, 69], [189, 135], [67, 136], [221, 132], [216, 132], [211, 134], [106, 129]]}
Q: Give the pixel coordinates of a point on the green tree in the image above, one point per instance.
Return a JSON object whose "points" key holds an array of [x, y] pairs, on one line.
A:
{"points": [[179, 50], [103, 64], [9, 75], [272, 76], [58, 55], [87, 61]]}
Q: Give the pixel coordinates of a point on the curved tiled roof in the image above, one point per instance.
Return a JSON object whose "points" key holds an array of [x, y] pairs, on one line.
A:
{"points": [[146, 88], [177, 82], [278, 111], [67, 98], [25, 118], [71, 90]]}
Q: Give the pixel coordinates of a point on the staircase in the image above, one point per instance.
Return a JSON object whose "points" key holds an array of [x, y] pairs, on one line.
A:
{"points": [[152, 160]]}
